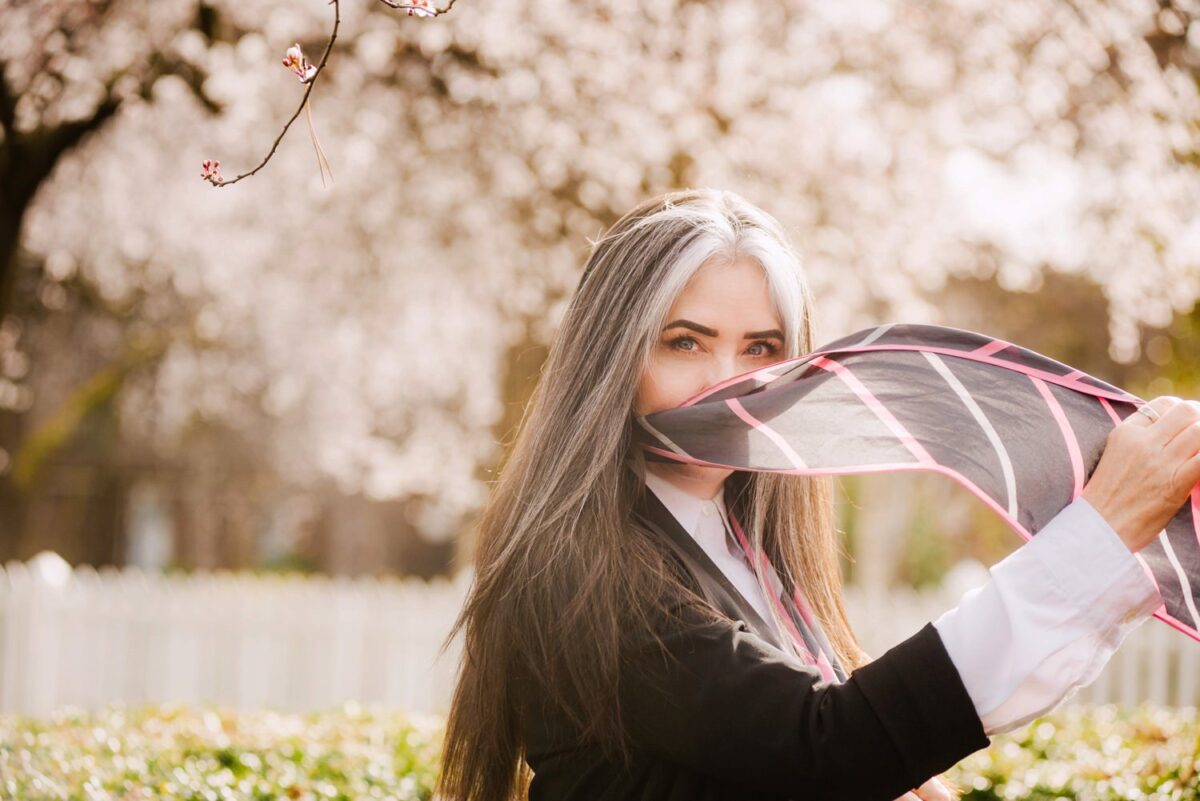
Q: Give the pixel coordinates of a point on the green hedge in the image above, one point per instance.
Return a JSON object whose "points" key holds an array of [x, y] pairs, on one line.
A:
{"points": [[211, 754], [1097, 753], [1091, 753]]}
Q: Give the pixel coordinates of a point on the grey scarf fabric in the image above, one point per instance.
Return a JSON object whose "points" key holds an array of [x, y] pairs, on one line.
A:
{"points": [[1019, 430]]}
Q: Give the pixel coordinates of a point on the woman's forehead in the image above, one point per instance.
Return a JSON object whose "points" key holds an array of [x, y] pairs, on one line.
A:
{"points": [[720, 295]]}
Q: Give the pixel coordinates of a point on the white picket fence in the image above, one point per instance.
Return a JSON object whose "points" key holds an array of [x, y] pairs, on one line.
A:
{"points": [[87, 638], [1155, 663]]}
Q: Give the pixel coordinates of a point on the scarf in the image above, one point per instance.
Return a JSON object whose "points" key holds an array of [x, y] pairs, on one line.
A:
{"points": [[802, 627], [1021, 431]]}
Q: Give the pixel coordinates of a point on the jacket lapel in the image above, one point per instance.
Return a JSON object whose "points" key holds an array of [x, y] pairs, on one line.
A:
{"points": [[713, 583]]}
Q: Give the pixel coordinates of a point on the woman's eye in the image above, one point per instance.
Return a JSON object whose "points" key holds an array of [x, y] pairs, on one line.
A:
{"points": [[770, 348], [676, 342]]}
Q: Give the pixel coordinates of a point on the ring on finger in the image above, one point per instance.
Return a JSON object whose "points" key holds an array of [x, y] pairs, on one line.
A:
{"points": [[1149, 411]]}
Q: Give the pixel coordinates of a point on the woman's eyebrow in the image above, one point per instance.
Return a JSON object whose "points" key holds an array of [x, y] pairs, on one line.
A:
{"points": [[712, 332]]}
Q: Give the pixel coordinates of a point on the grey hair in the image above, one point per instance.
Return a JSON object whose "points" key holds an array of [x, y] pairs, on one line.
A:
{"points": [[709, 225], [564, 579], [661, 252]]}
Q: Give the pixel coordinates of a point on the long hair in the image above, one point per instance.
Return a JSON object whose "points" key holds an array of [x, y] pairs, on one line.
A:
{"points": [[563, 574]]}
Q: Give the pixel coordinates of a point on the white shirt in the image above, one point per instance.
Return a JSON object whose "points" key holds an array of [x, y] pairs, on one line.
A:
{"points": [[703, 520], [1050, 617]]}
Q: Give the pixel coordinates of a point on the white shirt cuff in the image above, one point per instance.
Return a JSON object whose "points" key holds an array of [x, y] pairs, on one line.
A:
{"points": [[1049, 618]]}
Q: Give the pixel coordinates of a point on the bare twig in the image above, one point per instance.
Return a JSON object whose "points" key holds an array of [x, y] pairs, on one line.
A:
{"points": [[423, 8], [213, 177]]}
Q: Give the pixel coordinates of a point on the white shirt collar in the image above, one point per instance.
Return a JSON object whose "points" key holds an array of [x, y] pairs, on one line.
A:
{"points": [[687, 508], [711, 534]]}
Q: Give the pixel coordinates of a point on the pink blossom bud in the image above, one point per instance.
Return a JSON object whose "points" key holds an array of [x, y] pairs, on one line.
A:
{"points": [[212, 172], [297, 63], [421, 8]]}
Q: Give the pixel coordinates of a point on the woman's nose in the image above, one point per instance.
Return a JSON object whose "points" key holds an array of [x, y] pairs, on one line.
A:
{"points": [[724, 367]]}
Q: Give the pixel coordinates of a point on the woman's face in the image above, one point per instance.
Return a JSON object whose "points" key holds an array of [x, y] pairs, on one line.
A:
{"points": [[722, 324]]}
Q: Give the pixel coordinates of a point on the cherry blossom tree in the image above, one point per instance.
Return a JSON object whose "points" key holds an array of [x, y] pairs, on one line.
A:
{"points": [[364, 328]]}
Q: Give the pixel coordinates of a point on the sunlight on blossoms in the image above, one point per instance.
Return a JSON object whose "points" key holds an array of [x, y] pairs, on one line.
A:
{"points": [[365, 330]]}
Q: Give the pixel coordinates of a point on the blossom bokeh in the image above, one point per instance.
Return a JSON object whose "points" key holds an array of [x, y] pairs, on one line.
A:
{"points": [[249, 414], [374, 337]]}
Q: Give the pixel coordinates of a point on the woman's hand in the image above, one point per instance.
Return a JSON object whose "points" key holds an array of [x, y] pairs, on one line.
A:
{"points": [[932, 790], [1147, 470]]}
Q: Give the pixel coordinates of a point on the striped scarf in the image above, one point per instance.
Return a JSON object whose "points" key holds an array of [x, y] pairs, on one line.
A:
{"points": [[1019, 430], [803, 629]]}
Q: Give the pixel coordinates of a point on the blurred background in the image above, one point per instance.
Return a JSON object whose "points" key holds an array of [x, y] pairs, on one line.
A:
{"points": [[244, 432]]}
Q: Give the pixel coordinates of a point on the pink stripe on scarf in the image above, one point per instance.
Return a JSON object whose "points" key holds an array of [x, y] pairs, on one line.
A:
{"points": [[1068, 433], [821, 660]]}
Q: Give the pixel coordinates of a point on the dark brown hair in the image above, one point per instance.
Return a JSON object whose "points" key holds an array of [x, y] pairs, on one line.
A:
{"points": [[562, 572]]}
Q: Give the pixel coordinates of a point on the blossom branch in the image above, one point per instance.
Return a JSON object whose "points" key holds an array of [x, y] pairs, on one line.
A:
{"points": [[423, 8], [212, 172], [295, 61]]}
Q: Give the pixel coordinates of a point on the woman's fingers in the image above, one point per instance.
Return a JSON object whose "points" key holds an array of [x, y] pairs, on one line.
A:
{"points": [[933, 790], [1185, 443], [1181, 424], [1160, 404], [1188, 474], [1175, 419], [1147, 470]]}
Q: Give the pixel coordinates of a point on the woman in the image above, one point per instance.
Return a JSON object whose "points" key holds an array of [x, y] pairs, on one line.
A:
{"points": [[616, 650]]}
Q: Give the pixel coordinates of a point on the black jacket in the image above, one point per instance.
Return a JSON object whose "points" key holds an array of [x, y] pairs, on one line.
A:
{"points": [[736, 718]]}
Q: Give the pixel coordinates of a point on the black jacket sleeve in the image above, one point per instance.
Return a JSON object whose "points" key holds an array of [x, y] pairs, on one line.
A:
{"points": [[725, 702]]}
